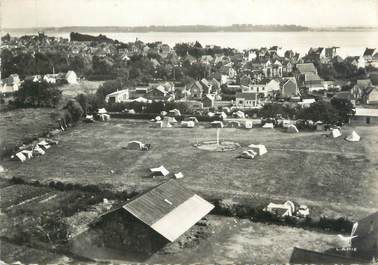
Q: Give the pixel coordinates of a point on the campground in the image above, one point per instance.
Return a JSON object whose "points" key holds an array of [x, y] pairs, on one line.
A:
{"points": [[336, 177]]}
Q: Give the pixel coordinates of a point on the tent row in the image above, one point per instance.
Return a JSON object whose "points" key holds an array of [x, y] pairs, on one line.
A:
{"points": [[38, 149], [352, 137]]}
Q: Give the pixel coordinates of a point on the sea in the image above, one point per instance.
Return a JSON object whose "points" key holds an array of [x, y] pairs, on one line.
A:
{"points": [[350, 43]]}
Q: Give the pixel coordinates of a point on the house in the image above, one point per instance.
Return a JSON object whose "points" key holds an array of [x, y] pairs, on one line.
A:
{"points": [[189, 59], [360, 89], [10, 84], [153, 219], [371, 96], [313, 82], [196, 90], [246, 100], [272, 69], [357, 61], [157, 93], [365, 116], [374, 61], [306, 68], [289, 88], [71, 77], [215, 86], [118, 96], [208, 101], [368, 55], [206, 85], [330, 52]]}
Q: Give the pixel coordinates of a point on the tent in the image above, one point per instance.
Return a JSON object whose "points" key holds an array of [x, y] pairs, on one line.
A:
{"points": [[260, 149], [141, 100], [179, 175], [102, 111], [175, 112], [319, 126], [217, 124], [104, 117], [44, 144], [37, 150], [353, 137], [159, 171], [335, 133], [292, 129], [27, 153], [158, 118], [268, 125], [131, 111], [163, 113], [135, 145], [2, 169], [210, 114], [193, 119], [249, 154], [248, 124], [187, 124], [165, 124], [21, 156], [222, 114], [170, 119], [239, 114]]}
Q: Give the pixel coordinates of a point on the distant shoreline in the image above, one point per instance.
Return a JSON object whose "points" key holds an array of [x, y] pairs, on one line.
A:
{"points": [[190, 29]]}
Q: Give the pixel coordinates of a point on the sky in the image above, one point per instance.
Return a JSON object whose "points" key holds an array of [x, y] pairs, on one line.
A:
{"points": [[314, 13]]}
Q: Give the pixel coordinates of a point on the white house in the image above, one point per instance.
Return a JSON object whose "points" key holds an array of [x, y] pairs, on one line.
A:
{"points": [[246, 100], [10, 84], [118, 96]]}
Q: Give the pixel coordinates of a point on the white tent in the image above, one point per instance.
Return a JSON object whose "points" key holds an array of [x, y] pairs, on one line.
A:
{"points": [[163, 113], [21, 156], [353, 137], [217, 124], [38, 150], [260, 149], [239, 114], [158, 118], [102, 111], [175, 112], [210, 114], [44, 144], [159, 171], [27, 153], [249, 154], [187, 124], [222, 114], [292, 129], [2, 169], [141, 100], [104, 117], [268, 125], [131, 111], [335, 133], [135, 145], [179, 175], [193, 119], [165, 124], [248, 124]]}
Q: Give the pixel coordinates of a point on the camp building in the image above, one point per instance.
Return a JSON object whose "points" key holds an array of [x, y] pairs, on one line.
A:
{"points": [[153, 219]]}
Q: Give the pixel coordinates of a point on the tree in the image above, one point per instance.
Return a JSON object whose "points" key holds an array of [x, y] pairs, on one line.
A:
{"points": [[271, 110], [320, 111], [36, 94], [105, 89], [344, 108], [75, 109]]}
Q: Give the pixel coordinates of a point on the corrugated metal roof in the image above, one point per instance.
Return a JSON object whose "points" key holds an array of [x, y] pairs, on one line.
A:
{"points": [[150, 206], [183, 217], [169, 209]]}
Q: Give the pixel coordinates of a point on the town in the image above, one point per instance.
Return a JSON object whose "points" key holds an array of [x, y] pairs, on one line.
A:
{"points": [[142, 152]]}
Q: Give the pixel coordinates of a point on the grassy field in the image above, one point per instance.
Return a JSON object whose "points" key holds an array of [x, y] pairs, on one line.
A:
{"points": [[83, 87], [245, 242], [337, 176], [23, 125]]}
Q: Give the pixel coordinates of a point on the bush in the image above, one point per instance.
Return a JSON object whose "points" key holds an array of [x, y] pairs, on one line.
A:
{"points": [[75, 111]]}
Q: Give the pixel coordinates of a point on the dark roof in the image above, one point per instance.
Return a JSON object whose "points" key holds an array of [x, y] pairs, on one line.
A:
{"points": [[150, 206], [304, 256], [369, 52], [306, 67]]}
